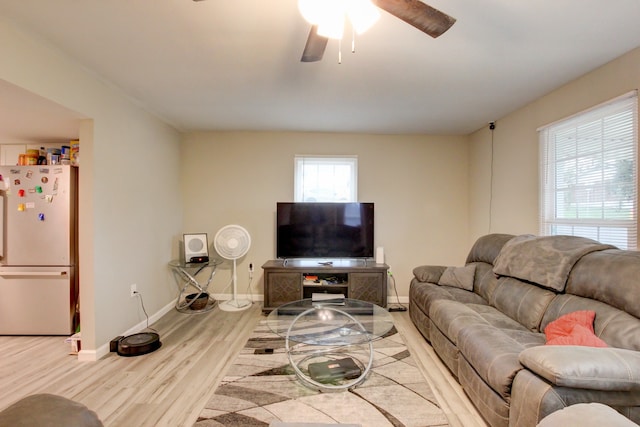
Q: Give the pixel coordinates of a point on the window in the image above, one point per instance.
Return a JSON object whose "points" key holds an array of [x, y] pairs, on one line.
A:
{"points": [[589, 166], [326, 179]]}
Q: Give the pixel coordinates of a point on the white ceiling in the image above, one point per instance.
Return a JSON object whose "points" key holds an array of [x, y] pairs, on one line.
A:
{"points": [[235, 64]]}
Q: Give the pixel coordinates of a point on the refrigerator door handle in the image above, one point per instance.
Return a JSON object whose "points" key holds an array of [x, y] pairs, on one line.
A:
{"points": [[32, 273]]}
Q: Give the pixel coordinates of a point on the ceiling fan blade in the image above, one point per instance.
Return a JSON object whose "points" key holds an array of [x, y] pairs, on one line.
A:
{"points": [[314, 49], [422, 16]]}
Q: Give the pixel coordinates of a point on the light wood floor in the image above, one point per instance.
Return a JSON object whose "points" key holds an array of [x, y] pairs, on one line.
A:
{"points": [[171, 386]]}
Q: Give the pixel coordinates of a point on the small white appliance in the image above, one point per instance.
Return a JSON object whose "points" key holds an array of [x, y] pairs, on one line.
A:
{"points": [[196, 247]]}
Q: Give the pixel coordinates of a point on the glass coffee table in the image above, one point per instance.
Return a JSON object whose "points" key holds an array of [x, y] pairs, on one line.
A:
{"points": [[330, 346]]}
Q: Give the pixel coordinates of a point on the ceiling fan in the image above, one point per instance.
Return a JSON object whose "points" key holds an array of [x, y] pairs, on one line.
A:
{"points": [[422, 16]]}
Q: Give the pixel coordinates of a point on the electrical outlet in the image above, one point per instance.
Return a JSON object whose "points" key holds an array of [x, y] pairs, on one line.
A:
{"points": [[134, 290]]}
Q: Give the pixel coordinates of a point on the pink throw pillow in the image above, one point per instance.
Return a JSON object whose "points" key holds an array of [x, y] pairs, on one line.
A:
{"points": [[579, 336], [563, 325], [574, 328]]}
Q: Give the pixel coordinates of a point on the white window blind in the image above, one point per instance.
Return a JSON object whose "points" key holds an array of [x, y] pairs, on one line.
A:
{"points": [[326, 179], [588, 173]]}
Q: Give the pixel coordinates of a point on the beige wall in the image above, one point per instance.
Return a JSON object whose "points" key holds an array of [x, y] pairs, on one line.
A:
{"points": [[130, 207], [419, 185], [514, 205]]}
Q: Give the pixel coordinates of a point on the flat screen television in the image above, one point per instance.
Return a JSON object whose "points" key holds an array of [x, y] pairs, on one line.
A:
{"points": [[324, 230]]}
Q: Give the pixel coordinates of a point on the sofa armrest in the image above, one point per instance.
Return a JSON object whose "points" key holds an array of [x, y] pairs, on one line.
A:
{"points": [[610, 369], [429, 273]]}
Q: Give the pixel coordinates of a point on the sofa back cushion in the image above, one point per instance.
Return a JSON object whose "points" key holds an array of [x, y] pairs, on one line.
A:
{"points": [[616, 327], [484, 282], [523, 302], [611, 277], [544, 260], [482, 254], [487, 248]]}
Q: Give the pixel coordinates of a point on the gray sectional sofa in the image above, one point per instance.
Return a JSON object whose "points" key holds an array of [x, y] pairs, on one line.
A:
{"points": [[486, 321]]}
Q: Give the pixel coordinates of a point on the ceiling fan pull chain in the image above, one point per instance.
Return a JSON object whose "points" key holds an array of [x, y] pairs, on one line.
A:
{"points": [[353, 41]]}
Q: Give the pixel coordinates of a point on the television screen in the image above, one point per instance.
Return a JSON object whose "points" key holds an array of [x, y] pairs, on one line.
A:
{"points": [[324, 230]]}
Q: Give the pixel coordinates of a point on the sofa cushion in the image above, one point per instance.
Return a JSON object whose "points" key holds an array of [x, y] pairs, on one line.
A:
{"points": [[610, 277], [458, 277], [423, 295], [493, 353], [523, 302], [545, 260], [487, 248], [429, 273], [484, 282], [452, 316]]}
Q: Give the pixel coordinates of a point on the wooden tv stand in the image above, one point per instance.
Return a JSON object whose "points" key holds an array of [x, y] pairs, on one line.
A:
{"points": [[284, 281]]}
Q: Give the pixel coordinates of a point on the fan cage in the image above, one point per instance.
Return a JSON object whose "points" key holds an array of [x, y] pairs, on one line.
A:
{"points": [[232, 242]]}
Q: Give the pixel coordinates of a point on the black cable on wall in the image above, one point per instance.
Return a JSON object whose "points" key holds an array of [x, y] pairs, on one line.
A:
{"points": [[492, 127]]}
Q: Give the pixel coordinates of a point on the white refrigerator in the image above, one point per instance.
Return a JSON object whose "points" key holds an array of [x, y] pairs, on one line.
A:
{"points": [[38, 257]]}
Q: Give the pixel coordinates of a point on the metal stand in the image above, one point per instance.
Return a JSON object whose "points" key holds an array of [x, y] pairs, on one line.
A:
{"points": [[185, 275]]}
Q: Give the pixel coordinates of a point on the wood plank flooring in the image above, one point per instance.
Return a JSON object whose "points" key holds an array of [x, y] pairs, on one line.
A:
{"points": [[171, 386]]}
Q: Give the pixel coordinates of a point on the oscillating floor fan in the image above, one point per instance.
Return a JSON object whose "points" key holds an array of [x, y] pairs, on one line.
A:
{"points": [[233, 242]]}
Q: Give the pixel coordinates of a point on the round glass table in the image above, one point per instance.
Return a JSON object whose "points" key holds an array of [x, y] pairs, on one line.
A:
{"points": [[330, 346]]}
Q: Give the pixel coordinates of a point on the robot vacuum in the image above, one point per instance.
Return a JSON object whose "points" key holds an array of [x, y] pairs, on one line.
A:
{"points": [[139, 344]]}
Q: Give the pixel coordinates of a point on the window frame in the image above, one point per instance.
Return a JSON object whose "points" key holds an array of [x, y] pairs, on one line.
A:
{"points": [[300, 161], [587, 149]]}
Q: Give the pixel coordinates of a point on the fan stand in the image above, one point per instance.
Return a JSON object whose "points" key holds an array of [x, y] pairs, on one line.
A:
{"points": [[235, 304]]}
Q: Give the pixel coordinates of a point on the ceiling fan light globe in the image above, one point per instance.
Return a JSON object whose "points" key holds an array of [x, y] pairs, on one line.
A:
{"points": [[362, 14], [318, 11], [332, 26], [311, 10]]}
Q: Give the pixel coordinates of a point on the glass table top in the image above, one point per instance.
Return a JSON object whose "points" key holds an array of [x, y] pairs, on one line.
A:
{"points": [[180, 263], [318, 323]]}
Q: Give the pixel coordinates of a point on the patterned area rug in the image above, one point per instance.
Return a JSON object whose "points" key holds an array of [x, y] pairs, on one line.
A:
{"points": [[261, 388]]}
